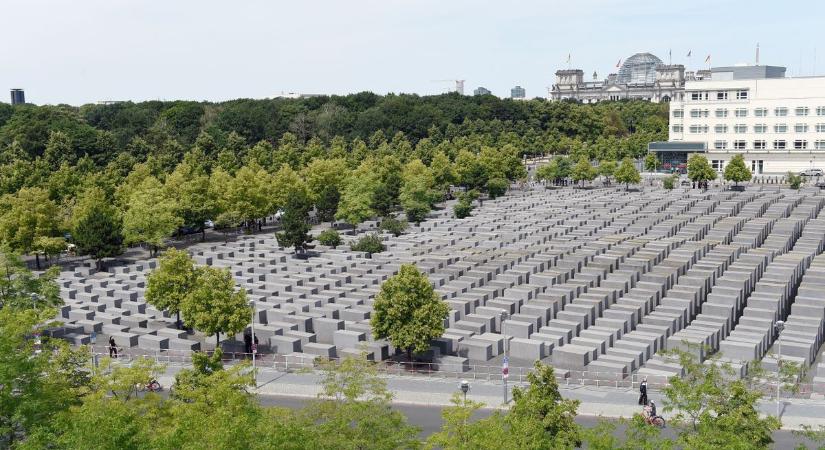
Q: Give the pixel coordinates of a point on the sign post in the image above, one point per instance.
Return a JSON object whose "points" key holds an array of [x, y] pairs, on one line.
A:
{"points": [[505, 374]]}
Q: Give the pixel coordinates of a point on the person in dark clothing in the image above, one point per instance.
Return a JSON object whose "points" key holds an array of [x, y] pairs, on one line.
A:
{"points": [[652, 410], [255, 338], [643, 392], [247, 343], [112, 347]]}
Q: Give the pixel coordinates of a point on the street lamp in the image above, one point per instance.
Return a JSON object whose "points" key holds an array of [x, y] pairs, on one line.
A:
{"points": [[505, 365], [254, 347], [778, 327], [465, 387]]}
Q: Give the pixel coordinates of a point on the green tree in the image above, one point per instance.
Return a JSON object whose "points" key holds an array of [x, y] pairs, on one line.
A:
{"points": [[151, 216], [669, 182], [393, 225], [386, 195], [295, 223], [354, 410], [408, 311], [496, 187], [583, 171], [25, 217], [540, 417], [325, 181], [713, 409], [460, 432], [699, 170], [169, 284], [417, 193], [736, 170], [442, 171], [357, 198], [627, 173], [651, 162], [462, 209], [189, 185], [213, 306], [470, 172], [21, 289], [96, 226], [330, 238], [607, 169]]}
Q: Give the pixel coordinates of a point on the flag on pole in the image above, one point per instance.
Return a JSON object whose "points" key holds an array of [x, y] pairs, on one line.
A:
{"points": [[707, 59], [689, 52], [619, 63]]}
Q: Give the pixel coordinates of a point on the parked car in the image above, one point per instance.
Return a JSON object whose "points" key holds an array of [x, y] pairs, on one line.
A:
{"points": [[209, 224], [811, 173]]}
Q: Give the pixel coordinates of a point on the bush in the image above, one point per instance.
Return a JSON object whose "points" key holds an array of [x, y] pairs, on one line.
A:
{"points": [[496, 187], [330, 238], [669, 182], [462, 209], [794, 180], [370, 243], [393, 225]]}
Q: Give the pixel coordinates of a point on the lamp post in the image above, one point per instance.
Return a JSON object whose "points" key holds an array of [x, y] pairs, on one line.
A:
{"points": [[465, 387], [254, 347], [505, 366], [779, 326]]}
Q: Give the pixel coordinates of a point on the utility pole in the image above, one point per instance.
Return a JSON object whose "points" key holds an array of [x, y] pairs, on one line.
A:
{"points": [[505, 365], [780, 325]]}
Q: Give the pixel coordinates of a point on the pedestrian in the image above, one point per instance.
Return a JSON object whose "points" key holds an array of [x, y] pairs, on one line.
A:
{"points": [[112, 347], [643, 392], [247, 343]]}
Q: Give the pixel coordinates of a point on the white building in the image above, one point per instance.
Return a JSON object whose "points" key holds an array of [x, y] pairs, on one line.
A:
{"points": [[777, 123]]}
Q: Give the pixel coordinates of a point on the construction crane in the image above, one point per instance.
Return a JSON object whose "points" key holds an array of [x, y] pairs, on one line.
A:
{"points": [[459, 85]]}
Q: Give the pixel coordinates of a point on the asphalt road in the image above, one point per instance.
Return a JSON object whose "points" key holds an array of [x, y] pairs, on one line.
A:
{"points": [[428, 418]]}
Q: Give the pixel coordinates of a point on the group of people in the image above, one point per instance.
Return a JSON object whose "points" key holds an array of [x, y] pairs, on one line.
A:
{"points": [[648, 407]]}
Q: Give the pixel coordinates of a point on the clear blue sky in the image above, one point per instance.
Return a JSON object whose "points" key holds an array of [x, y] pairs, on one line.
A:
{"points": [[87, 50]]}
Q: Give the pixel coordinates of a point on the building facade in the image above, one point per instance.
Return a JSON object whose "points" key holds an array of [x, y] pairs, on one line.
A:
{"points": [[18, 97], [481, 90], [777, 123], [642, 76], [518, 93]]}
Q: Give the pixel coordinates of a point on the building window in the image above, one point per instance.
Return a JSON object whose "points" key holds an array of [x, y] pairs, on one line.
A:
{"points": [[760, 112], [739, 145], [820, 110], [759, 145], [801, 128], [678, 113], [741, 95], [721, 113], [800, 144], [720, 145], [760, 128], [802, 111], [820, 128], [779, 144], [740, 128], [719, 128], [741, 112], [699, 113], [780, 128], [695, 96], [721, 96], [677, 128], [780, 112], [698, 128], [718, 164], [819, 145]]}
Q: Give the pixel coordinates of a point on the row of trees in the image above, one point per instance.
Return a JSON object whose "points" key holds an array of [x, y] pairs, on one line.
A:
{"points": [[146, 206], [561, 168]]}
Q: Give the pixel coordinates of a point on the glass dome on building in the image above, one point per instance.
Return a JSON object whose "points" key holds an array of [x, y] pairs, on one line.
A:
{"points": [[639, 69]]}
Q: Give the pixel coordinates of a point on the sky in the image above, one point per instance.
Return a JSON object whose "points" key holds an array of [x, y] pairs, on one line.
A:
{"points": [[83, 51]]}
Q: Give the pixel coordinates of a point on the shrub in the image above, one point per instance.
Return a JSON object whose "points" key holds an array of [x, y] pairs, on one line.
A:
{"points": [[669, 182], [370, 243], [393, 225], [330, 238], [794, 180], [462, 209]]}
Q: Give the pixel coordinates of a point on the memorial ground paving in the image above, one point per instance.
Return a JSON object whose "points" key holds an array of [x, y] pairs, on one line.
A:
{"points": [[597, 283]]}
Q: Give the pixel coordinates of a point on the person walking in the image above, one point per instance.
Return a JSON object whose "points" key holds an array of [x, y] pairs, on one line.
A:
{"points": [[247, 343], [112, 347], [643, 392]]}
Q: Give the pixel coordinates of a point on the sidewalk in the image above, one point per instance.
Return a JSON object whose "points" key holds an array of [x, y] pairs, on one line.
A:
{"points": [[595, 401]]}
